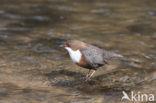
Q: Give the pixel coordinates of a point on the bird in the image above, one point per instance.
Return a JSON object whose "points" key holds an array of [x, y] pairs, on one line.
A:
{"points": [[88, 56]]}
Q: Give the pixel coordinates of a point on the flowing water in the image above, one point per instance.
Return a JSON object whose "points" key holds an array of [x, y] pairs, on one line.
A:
{"points": [[35, 69]]}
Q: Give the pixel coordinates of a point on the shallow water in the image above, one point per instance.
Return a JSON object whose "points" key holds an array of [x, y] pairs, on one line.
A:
{"points": [[35, 69]]}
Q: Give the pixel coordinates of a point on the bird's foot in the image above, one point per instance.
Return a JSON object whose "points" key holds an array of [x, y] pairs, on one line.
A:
{"points": [[87, 77]]}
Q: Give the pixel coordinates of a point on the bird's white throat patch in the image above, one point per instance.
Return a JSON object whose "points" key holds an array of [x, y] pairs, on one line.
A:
{"points": [[74, 55]]}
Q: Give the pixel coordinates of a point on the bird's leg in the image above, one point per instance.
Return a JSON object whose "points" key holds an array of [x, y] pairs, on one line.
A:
{"points": [[90, 74]]}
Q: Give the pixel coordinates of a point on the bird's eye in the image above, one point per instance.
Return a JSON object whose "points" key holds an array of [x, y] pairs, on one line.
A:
{"points": [[66, 45]]}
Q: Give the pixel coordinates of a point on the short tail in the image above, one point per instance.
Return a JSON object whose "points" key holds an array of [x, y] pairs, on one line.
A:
{"points": [[117, 55], [109, 55]]}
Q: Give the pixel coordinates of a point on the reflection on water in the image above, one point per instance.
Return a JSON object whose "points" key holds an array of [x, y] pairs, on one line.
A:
{"points": [[35, 69]]}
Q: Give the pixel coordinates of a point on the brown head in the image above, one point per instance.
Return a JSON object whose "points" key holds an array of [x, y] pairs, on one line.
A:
{"points": [[75, 44]]}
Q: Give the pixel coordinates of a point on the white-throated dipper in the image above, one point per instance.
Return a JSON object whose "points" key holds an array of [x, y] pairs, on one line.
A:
{"points": [[88, 56]]}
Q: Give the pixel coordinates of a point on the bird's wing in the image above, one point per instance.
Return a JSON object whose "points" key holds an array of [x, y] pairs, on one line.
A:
{"points": [[94, 56]]}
